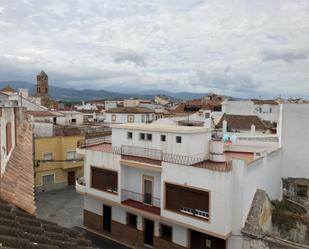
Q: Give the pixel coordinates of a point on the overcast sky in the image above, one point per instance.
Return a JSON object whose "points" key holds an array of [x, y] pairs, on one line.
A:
{"points": [[231, 47]]}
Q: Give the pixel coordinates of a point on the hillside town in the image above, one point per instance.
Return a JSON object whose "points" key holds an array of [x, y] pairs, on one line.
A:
{"points": [[215, 172], [165, 124]]}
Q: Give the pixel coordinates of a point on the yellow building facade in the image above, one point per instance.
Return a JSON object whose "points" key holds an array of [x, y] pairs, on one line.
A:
{"points": [[56, 162]]}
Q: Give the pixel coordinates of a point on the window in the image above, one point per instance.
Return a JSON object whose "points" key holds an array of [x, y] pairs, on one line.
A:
{"points": [[143, 118], [48, 156], [166, 232], [207, 114], [8, 129], [71, 155], [301, 190], [187, 201], [48, 179], [73, 120], [163, 138], [130, 119], [149, 137], [208, 243], [142, 136], [105, 180], [113, 118], [129, 135], [178, 139], [132, 220], [145, 136]]}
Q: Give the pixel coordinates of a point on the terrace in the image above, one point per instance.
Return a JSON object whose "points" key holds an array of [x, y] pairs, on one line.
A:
{"points": [[140, 201]]}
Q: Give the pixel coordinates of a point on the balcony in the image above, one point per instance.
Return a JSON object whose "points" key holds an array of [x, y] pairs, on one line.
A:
{"points": [[140, 201], [80, 185], [140, 154]]}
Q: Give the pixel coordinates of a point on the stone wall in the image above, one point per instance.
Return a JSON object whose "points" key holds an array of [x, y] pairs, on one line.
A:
{"points": [[269, 228]]}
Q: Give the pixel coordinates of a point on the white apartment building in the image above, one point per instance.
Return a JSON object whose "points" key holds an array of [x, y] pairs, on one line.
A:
{"points": [[168, 186], [129, 114], [268, 110]]}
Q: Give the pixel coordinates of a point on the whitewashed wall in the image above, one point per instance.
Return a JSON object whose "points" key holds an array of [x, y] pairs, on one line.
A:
{"points": [[193, 144], [295, 140], [7, 115], [105, 161], [122, 118], [132, 180]]}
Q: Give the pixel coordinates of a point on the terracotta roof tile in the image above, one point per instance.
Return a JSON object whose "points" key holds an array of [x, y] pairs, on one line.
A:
{"points": [[243, 122], [19, 229]]}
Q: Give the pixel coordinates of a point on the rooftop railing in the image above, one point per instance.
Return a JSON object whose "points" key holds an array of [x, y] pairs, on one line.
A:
{"points": [[159, 155]]}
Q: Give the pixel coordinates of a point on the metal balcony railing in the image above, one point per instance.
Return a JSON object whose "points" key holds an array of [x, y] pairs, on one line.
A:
{"points": [[147, 199], [141, 152]]}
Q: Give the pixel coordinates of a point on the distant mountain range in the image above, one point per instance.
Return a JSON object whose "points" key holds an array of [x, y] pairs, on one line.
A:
{"points": [[70, 94]]}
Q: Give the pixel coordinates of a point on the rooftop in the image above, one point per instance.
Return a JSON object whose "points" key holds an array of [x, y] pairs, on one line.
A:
{"points": [[19, 229], [243, 122], [130, 109], [161, 128]]}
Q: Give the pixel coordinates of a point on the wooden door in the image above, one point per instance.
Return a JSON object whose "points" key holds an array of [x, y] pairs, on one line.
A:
{"points": [[148, 232], [71, 178], [107, 218]]}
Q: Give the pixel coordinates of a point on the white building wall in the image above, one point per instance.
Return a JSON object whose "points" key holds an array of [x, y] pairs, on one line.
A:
{"points": [[247, 107], [93, 205], [196, 144], [43, 129], [106, 161], [132, 180], [122, 118], [67, 118], [7, 116], [260, 174], [295, 140], [219, 185]]}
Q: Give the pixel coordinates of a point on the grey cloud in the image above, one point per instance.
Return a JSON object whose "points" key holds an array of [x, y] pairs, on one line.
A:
{"points": [[224, 81], [289, 56], [130, 56]]}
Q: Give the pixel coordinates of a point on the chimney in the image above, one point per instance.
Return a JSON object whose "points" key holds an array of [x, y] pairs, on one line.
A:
{"points": [[224, 126], [252, 129]]}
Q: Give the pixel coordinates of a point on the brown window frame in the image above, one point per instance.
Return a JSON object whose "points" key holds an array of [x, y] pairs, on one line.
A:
{"points": [[108, 184], [185, 205]]}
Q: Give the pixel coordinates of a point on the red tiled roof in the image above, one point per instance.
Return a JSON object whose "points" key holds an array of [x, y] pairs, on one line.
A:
{"points": [[104, 147], [243, 122], [19, 229], [196, 104]]}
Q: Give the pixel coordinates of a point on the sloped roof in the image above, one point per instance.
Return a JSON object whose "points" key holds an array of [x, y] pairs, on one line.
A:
{"points": [[243, 122], [264, 102], [130, 110], [194, 105], [8, 89], [19, 229], [41, 114]]}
